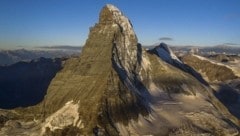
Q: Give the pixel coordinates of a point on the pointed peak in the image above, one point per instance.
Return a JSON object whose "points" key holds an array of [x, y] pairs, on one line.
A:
{"points": [[109, 13], [111, 7]]}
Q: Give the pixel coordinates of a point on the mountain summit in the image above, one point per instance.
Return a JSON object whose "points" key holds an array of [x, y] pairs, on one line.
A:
{"points": [[116, 87]]}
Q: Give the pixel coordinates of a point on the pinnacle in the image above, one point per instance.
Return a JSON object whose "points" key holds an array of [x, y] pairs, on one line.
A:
{"points": [[111, 7], [109, 13]]}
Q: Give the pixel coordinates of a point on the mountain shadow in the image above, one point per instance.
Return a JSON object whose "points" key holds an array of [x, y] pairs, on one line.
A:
{"points": [[25, 83]]}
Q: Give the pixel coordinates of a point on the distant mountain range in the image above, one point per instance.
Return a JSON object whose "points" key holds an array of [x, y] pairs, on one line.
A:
{"points": [[218, 49], [61, 47], [8, 57], [211, 49]]}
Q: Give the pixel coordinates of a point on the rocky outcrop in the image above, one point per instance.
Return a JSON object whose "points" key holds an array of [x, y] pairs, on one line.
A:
{"points": [[116, 88]]}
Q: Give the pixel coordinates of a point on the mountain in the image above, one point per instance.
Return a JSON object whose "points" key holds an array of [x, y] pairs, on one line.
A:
{"points": [[61, 47], [116, 87], [9, 57]]}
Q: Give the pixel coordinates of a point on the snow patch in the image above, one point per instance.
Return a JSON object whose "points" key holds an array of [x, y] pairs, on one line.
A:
{"points": [[67, 115], [145, 63]]}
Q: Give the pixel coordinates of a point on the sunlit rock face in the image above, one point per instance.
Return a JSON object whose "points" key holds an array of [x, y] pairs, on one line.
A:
{"points": [[115, 87], [103, 80]]}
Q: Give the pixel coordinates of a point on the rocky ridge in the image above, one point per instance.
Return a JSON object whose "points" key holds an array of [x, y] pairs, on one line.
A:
{"points": [[212, 71]]}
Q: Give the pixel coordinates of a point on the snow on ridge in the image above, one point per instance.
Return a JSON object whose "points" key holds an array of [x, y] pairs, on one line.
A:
{"points": [[67, 115], [173, 56], [127, 43], [112, 8], [213, 62], [120, 19]]}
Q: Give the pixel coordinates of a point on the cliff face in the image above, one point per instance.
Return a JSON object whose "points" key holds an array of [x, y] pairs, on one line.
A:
{"points": [[116, 88]]}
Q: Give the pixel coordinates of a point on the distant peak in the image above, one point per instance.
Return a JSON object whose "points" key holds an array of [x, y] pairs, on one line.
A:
{"points": [[163, 46]]}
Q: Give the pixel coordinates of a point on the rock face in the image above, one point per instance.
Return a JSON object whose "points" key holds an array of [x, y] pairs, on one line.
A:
{"points": [[116, 88]]}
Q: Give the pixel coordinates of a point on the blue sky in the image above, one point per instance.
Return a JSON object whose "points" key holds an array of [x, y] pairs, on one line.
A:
{"points": [[67, 22]]}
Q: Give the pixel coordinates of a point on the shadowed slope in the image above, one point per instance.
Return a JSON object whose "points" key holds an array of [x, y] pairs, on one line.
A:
{"points": [[25, 83]]}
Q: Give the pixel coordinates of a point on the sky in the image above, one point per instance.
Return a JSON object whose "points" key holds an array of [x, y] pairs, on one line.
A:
{"points": [[67, 22]]}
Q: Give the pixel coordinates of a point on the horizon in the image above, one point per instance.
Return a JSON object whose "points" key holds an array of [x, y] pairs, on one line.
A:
{"points": [[53, 47], [30, 23]]}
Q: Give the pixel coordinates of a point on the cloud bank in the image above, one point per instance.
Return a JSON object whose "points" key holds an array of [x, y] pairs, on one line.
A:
{"points": [[165, 39]]}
